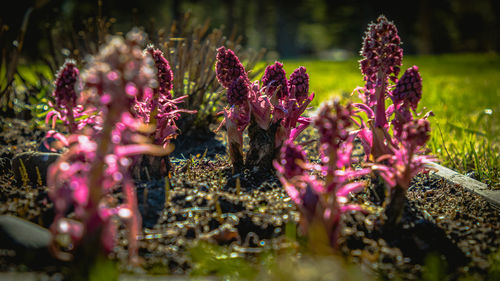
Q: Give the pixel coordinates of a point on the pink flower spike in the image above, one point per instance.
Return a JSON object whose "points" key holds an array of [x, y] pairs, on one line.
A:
{"points": [[274, 79], [238, 91], [299, 81], [228, 67], [409, 88], [293, 160]]}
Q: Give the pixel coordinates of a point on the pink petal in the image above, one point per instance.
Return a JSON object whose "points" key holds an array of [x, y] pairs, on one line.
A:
{"points": [[350, 207], [350, 187], [138, 149]]}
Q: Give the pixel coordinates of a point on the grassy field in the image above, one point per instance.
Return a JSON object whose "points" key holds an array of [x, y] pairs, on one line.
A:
{"points": [[462, 90]]}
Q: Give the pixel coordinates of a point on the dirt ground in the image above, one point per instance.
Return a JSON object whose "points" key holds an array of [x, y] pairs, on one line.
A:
{"points": [[249, 214]]}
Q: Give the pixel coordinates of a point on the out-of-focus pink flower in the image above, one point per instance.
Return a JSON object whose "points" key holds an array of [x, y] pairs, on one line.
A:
{"points": [[323, 200], [99, 157], [417, 132], [292, 160], [408, 89], [402, 117], [332, 122]]}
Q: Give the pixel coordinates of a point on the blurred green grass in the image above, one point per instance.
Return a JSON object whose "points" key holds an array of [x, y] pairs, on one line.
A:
{"points": [[463, 90]]}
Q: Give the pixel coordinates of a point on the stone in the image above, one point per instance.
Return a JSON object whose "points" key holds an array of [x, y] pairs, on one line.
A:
{"points": [[27, 242], [479, 188]]}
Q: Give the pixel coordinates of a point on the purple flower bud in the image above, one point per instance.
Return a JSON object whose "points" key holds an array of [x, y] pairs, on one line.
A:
{"points": [[65, 94], [164, 72], [409, 88], [417, 132], [299, 79], [292, 160], [228, 67], [275, 77], [381, 51], [238, 91], [332, 126]]}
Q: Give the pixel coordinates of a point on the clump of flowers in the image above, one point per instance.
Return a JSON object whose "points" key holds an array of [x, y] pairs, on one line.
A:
{"points": [[65, 96], [323, 200], [99, 157], [402, 165], [271, 111], [66, 104], [232, 76], [394, 153], [159, 110]]}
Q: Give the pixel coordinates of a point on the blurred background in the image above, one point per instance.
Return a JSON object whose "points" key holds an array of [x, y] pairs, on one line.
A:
{"points": [[320, 29]]}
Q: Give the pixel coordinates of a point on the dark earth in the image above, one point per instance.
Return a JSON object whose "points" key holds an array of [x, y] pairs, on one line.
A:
{"points": [[249, 214]]}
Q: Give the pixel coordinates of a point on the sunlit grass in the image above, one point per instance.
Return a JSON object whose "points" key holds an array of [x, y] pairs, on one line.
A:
{"points": [[462, 90]]}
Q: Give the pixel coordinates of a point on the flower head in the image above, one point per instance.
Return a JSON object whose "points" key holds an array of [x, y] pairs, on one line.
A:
{"points": [[332, 122], [120, 73], [164, 72], [409, 88], [274, 78], [238, 91], [300, 80], [292, 160], [228, 67], [381, 51], [416, 132], [65, 93], [402, 116]]}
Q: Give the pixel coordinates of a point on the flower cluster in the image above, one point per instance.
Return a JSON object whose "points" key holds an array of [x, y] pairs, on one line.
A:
{"points": [[408, 90], [272, 112], [325, 200], [382, 53], [274, 79], [238, 91], [382, 61], [228, 67], [159, 107], [395, 155], [299, 80], [163, 72], [100, 156]]}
